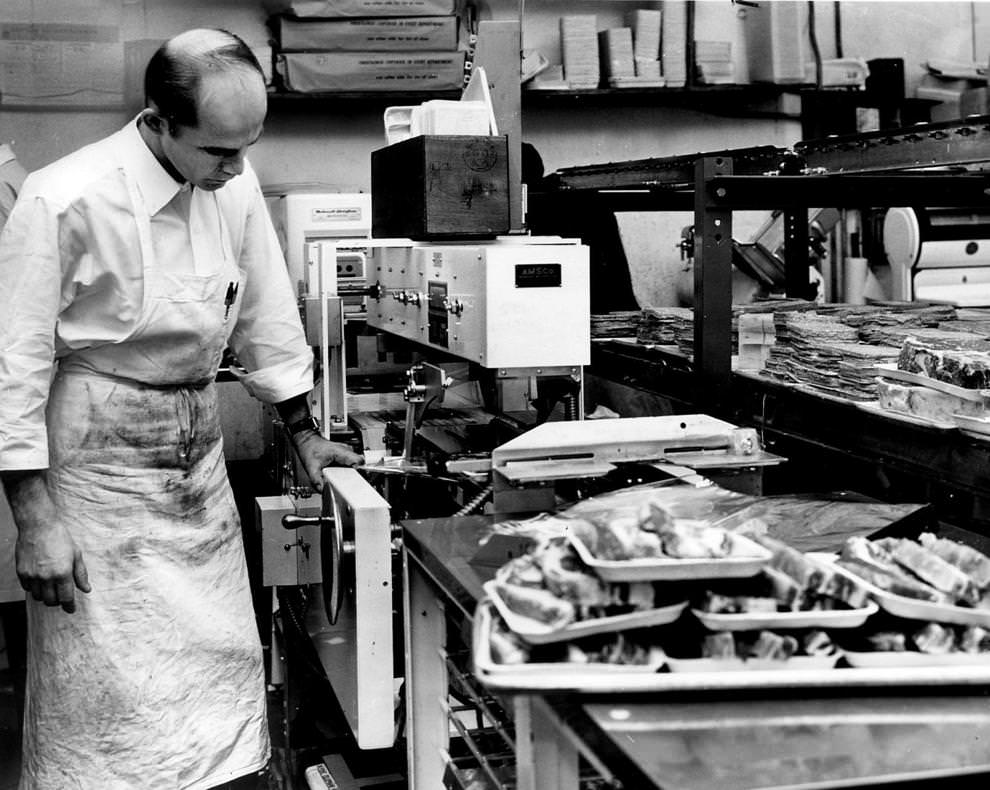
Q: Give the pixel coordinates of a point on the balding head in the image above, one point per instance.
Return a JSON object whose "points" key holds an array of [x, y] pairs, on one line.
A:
{"points": [[177, 72]]}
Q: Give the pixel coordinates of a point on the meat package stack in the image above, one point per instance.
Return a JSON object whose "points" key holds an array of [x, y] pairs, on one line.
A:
{"points": [[327, 46], [675, 583], [943, 375]]}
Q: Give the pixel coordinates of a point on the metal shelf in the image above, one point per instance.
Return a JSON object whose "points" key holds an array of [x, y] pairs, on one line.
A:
{"points": [[724, 98]]}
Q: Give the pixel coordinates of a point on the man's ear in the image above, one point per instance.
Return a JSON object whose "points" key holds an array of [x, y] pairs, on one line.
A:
{"points": [[153, 121]]}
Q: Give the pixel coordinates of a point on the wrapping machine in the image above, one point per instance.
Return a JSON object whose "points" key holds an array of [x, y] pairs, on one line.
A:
{"points": [[499, 334]]}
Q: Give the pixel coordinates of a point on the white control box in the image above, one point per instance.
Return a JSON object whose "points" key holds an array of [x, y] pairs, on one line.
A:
{"points": [[515, 302], [302, 217]]}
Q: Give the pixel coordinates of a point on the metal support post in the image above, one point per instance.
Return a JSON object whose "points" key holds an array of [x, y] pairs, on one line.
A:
{"points": [[427, 733], [796, 277], [712, 285]]}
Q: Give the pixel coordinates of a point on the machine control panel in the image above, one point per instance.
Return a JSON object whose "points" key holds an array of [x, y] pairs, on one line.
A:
{"points": [[510, 303], [437, 315]]}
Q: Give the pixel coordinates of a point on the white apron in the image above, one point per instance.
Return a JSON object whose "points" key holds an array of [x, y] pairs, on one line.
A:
{"points": [[156, 682]]}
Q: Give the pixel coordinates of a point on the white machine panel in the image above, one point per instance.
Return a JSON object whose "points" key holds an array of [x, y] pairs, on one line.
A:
{"points": [[356, 651], [509, 303], [301, 218]]}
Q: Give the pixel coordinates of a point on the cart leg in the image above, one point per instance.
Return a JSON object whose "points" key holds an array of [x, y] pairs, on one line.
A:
{"points": [[427, 733], [545, 758]]}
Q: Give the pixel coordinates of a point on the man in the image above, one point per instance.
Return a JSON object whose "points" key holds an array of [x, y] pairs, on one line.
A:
{"points": [[126, 269], [12, 175]]}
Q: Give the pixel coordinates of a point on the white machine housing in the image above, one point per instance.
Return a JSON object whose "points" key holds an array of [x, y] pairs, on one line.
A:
{"points": [[938, 256], [309, 223], [302, 217], [684, 446], [514, 302], [357, 651]]}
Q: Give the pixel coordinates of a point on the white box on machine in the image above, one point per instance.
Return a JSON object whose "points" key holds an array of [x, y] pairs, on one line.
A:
{"points": [[509, 303]]}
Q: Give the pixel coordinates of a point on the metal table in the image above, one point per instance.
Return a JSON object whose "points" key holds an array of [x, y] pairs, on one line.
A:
{"points": [[910, 737]]}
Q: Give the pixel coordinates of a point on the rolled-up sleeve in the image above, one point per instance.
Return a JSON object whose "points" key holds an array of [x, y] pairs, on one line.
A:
{"points": [[30, 288], [268, 338]]}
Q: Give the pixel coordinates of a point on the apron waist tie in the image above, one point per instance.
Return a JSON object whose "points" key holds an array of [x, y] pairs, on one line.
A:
{"points": [[66, 367]]}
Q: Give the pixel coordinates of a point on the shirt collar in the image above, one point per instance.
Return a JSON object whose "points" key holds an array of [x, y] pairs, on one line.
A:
{"points": [[155, 184], [6, 154]]}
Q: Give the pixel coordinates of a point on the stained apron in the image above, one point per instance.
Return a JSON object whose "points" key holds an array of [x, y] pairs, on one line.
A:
{"points": [[156, 681]]}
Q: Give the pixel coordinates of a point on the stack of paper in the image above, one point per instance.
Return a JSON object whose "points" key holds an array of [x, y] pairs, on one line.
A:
{"points": [[825, 354], [666, 326], [673, 42], [842, 369], [615, 52], [579, 50], [619, 323], [645, 26], [713, 62]]}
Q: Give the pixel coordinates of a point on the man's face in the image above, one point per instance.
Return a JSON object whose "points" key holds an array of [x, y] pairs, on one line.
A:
{"points": [[231, 118]]}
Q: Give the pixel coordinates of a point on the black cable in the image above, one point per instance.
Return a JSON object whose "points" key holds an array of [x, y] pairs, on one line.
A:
{"points": [[837, 17], [471, 507], [812, 34]]}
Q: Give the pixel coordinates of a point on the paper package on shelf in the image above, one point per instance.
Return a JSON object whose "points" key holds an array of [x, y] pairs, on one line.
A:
{"points": [[368, 8], [645, 24], [321, 72], [673, 42], [616, 53], [430, 33], [579, 50]]}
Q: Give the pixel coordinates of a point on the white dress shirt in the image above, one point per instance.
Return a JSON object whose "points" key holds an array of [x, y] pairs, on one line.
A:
{"points": [[72, 281]]}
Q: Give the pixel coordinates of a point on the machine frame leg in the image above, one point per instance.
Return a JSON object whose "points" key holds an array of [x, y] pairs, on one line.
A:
{"points": [[427, 731]]}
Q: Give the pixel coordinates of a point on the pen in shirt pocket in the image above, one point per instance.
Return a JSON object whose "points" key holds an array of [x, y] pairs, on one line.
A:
{"points": [[230, 298]]}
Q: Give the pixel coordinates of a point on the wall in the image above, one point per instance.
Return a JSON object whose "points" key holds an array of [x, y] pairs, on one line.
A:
{"points": [[333, 145]]}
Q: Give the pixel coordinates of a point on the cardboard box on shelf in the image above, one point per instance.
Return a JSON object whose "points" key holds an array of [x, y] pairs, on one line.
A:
{"points": [[436, 33], [327, 72], [336, 8]]}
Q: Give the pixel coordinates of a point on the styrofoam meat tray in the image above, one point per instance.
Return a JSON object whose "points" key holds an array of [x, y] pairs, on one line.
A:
{"points": [[889, 370], [913, 609], [694, 676], [977, 426], [792, 664], [754, 621], [558, 671], [874, 407], [678, 569], [537, 633], [913, 658]]}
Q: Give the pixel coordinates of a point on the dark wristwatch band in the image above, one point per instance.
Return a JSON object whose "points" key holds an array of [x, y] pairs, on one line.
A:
{"points": [[309, 422]]}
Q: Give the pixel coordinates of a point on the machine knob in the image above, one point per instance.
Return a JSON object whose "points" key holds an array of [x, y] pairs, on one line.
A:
{"points": [[414, 297], [335, 548], [454, 306], [292, 521]]}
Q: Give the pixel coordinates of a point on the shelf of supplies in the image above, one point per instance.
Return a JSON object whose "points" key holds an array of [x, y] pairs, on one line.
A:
{"points": [[752, 99]]}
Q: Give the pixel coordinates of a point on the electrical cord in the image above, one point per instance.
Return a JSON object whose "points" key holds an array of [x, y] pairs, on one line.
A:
{"points": [[472, 506], [837, 16], [816, 50]]}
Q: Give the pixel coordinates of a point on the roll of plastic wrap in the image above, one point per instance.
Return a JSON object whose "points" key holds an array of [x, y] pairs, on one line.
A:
{"points": [[854, 282]]}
